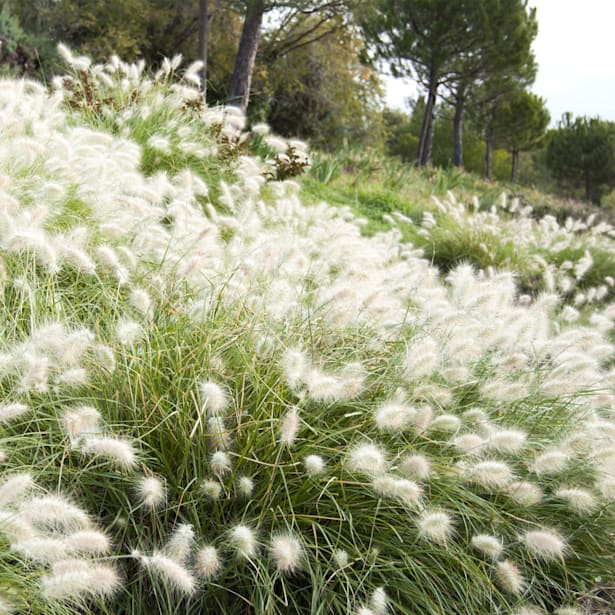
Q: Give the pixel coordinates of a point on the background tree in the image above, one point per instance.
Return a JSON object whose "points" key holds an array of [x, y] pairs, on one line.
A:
{"points": [[419, 39], [502, 53], [253, 12], [581, 154], [17, 54], [521, 121], [323, 93], [451, 44]]}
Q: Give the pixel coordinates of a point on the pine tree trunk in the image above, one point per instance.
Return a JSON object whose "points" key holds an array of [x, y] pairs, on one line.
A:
{"points": [[427, 130], [203, 39], [489, 152], [246, 55], [515, 166], [589, 192], [458, 133]]}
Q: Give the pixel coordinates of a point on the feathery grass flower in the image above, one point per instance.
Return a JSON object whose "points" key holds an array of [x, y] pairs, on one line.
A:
{"points": [[289, 428], [245, 486], [166, 568], [415, 466], [179, 545], [151, 492], [314, 465], [286, 552], [525, 493], [116, 450], [243, 539], [545, 544], [366, 458], [487, 544], [510, 577], [207, 561], [212, 489], [220, 463], [78, 579], [436, 526], [213, 397], [15, 487], [490, 474], [11, 411]]}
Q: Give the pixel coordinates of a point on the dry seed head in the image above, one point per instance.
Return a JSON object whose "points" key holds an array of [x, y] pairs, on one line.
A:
{"points": [[529, 610], [141, 301], [436, 526], [178, 577], [415, 466], [341, 558], [81, 420], [151, 492], [87, 541], [245, 486], [11, 411], [422, 418], [391, 486], [581, 501], [286, 552], [128, 332], [468, 443], [510, 577], [393, 416], [15, 487], [507, 441], [295, 364], [180, 544], [445, 422], [116, 450], [606, 486], [207, 561], [53, 512], [76, 579], [524, 493], [42, 549], [213, 397], [551, 462], [379, 601], [289, 428], [218, 432], [545, 544], [491, 474], [211, 489], [487, 544], [367, 458], [220, 463], [243, 539], [314, 465]]}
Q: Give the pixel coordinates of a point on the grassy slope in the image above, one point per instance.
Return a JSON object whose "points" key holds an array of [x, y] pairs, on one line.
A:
{"points": [[289, 312], [375, 189]]}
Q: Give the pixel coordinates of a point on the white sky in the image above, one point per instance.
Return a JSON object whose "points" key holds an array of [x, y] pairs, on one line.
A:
{"points": [[575, 51]]}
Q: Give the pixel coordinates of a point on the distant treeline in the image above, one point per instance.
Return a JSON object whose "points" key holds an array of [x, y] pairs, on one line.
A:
{"points": [[310, 69]]}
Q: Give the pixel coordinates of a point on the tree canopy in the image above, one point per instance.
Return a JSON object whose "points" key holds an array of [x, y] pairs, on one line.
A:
{"points": [[581, 154]]}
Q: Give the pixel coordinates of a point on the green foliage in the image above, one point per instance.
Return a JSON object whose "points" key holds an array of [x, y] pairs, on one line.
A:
{"points": [[321, 92], [16, 54], [581, 154]]}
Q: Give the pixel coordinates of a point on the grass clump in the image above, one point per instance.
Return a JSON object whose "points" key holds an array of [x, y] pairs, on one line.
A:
{"points": [[225, 400]]}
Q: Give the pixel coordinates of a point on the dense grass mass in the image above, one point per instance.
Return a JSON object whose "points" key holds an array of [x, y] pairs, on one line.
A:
{"points": [[219, 395]]}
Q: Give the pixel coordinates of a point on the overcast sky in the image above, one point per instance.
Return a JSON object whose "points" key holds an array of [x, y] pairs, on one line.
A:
{"points": [[575, 51]]}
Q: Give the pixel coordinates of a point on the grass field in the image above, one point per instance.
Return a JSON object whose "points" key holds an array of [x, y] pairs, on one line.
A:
{"points": [[231, 388]]}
